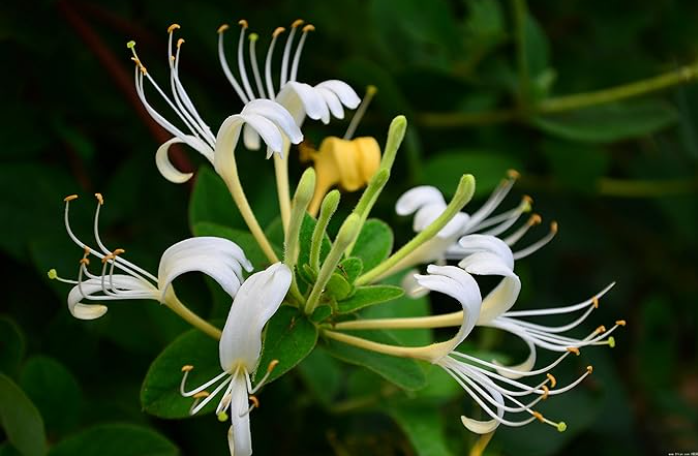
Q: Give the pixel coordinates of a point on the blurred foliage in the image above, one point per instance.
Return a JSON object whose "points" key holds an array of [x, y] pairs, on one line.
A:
{"points": [[483, 84]]}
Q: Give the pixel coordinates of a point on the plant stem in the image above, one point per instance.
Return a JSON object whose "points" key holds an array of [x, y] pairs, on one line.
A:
{"points": [[190, 317], [464, 192]]}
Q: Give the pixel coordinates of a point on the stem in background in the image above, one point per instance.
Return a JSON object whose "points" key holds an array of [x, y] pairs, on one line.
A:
{"points": [[564, 103], [347, 232], [520, 11], [304, 192], [282, 186], [190, 317], [464, 192], [328, 208]]}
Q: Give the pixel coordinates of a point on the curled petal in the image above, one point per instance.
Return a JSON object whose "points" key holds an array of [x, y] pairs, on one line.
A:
{"points": [[332, 101], [278, 115], [165, 166], [302, 99], [418, 197], [239, 434], [483, 243], [343, 91], [485, 427], [90, 288]]}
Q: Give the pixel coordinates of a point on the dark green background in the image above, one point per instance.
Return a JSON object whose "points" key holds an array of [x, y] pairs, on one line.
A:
{"points": [[621, 181]]}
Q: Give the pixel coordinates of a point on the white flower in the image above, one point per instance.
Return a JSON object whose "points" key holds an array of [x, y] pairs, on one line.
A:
{"points": [[427, 203], [268, 119], [495, 393], [240, 346], [219, 258], [300, 99]]}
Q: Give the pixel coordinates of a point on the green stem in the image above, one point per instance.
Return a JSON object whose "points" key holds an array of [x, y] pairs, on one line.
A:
{"points": [[328, 208], [464, 192], [190, 317], [346, 234]]}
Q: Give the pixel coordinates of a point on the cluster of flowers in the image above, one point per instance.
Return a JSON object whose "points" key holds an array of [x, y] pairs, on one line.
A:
{"points": [[274, 114]]}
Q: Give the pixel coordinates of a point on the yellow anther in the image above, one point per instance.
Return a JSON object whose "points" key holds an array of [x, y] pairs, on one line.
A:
{"points": [[534, 220], [612, 342], [222, 417], [538, 416], [620, 322], [223, 28], [180, 42], [173, 58], [574, 350], [553, 380], [528, 199], [201, 395], [243, 23], [86, 250], [131, 44], [100, 198], [561, 426], [272, 365], [553, 227], [70, 198], [172, 28], [107, 257], [309, 28], [278, 31], [546, 391], [590, 369], [254, 400], [253, 37], [297, 23], [513, 174], [595, 301], [52, 274], [187, 368], [119, 252], [601, 329], [85, 261]]}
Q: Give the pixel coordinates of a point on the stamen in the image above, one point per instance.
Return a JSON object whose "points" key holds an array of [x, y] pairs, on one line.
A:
{"points": [[201, 395], [601, 329], [538, 416], [100, 198], [595, 302], [537, 245], [241, 60], [70, 198], [620, 322], [611, 342], [287, 53], [513, 174], [590, 369], [359, 114], [546, 392], [187, 368], [264, 379], [254, 400], [223, 28], [553, 380], [226, 67], [267, 64], [574, 350], [172, 28], [299, 50], [253, 59]]}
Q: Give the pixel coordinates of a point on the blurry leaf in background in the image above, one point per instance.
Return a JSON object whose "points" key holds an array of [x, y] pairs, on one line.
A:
{"points": [[609, 122], [576, 166], [116, 440], [374, 244], [55, 392], [12, 346], [211, 201], [20, 420], [424, 427], [322, 374]]}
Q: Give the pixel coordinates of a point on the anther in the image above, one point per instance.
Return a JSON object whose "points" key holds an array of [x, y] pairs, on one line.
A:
{"points": [[513, 174], [243, 23], [70, 198], [223, 28], [107, 257], [538, 416], [118, 252], [52, 274], [131, 44], [86, 250], [546, 391], [172, 28], [187, 368], [620, 322], [574, 350], [590, 369], [180, 42], [309, 28], [201, 395], [553, 227], [297, 23], [254, 400], [528, 199], [278, 31], [600, 329], [553, 380], [595, 301], [272, 365], [85, 261], [534, 220], [100, 198]]}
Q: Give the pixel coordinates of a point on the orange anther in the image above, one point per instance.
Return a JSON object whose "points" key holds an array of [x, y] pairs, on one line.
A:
{"points": [[535, 219], [201, 395], [309, 28], [595, 301], [297, 23], [590, 369], [538, 416], [553, 380], [513, 174], [272, 365], [172, 28], [546, 391], [187, 368], [70, 198], [180, 42], [278, 31], [100, 198], [223, 28], [553, 227], [119, 252], [620, 322], [574, 350], [243, 22], [601, 329], [254, 400]]}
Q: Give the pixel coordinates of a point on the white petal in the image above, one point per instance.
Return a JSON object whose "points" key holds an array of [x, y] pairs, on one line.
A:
{"points": [[484, 243], [332, 101], [92, 286], [239, 434], [219, 258], [257, 300], [165, 166], [277, 114], [417, 197], [530, 361], [485, 427], [346, 94], [250, 138], [459, 285], [504, 295], [226, 142], [301, 99]]}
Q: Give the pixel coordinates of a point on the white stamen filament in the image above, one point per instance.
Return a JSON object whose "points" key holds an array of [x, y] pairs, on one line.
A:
{"points": [[226, 67], [200, 388], [559, 310], [241, 62], [267, 64], [255, 67], [287, 54], [523, 253], [299, 51]]}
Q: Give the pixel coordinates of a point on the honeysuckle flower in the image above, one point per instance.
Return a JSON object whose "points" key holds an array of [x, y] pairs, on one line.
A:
{"points": [[120, 279], [240, 346], [427, 203], [268, 119], [321, 101], [497, 394]]}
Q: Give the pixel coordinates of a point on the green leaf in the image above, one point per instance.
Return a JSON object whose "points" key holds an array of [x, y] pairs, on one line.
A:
{"points": [[322, 374], [54, 391], [211, 201], [374, 244], [537, 49], [11, 346], [489, 168], [289, 338], [160, 390], [424, 426], [306, 237], [369, 296], [20, 420], [321, 313], [244, 239], [609, 122], [403, 372], [337, 287], [116, 440], [351, 269]]}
